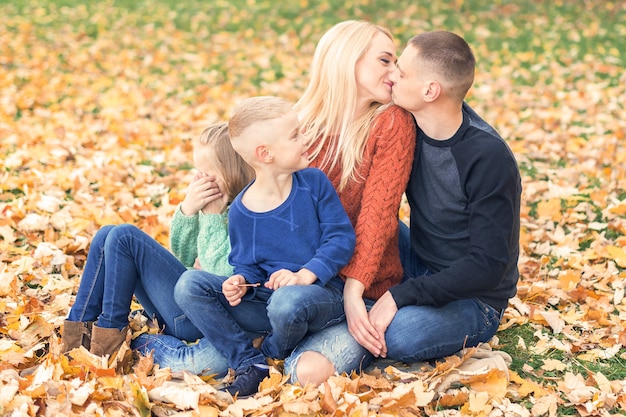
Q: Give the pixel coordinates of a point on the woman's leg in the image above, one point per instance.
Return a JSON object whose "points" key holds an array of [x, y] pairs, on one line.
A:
{"points": [[324, 353]]}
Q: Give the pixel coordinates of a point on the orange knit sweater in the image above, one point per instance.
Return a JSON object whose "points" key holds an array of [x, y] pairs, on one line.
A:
{"points": [[373, 202]]}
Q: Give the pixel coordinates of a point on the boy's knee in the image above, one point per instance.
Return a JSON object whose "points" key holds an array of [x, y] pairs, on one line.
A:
{"points": [[313, 368], [184, 286]]}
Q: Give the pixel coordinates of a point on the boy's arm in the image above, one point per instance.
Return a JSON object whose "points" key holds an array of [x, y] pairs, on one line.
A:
{"points": [[338, 238]]}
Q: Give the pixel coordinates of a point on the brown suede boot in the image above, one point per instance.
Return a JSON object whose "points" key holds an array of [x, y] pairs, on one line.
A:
{"points": [[106, 341], [75, 334]]}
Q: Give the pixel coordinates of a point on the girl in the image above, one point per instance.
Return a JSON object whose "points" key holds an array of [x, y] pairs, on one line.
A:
{"points": [[123, 260]]}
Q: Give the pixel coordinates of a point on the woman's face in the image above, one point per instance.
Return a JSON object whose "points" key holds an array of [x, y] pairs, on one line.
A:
{"points": [[372, 72]]}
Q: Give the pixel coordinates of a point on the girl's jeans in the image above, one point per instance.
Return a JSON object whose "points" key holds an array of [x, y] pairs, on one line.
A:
{"points": [[123, 261], [416, 333], [285, 315]]}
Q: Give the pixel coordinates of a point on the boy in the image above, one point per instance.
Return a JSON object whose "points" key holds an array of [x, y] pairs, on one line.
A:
{"points": [[290, 236]]}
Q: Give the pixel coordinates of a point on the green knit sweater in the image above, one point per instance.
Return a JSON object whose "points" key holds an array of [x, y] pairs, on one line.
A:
{"points": [[201, 236]]}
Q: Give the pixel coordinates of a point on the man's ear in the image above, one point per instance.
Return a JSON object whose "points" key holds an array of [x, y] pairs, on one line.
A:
{"points": [[432, 91], [263, 154]]}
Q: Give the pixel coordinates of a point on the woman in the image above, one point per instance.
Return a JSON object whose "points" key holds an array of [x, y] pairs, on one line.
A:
{"points": [[366, 149]]}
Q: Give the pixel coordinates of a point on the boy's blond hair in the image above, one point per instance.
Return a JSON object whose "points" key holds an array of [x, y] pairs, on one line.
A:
{"points": [[234, 170], [250, 111]]}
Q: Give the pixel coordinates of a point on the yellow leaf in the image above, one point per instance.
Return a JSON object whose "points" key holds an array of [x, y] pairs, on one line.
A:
{"points": [[617, 254]]}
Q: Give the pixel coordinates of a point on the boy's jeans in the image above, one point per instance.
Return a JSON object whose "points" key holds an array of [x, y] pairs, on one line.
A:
{"points": [[122, 261], [285, 316], [416, 333]]}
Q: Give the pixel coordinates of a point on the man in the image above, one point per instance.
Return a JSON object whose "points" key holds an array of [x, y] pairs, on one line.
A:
{"points": [[460, 260]]}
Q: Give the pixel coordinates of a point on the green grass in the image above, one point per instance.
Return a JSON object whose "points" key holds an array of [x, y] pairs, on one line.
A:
{"points": [[528, 364]]}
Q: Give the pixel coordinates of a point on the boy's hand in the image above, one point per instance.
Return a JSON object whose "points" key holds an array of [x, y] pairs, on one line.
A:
{"points": [[284, 277], [232, 289], [203, 192]]}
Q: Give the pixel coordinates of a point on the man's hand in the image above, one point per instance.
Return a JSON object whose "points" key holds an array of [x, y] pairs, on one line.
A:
{"points": [[381, 315], [359, 325], [284, 277], [204, 194], [233, 290]]}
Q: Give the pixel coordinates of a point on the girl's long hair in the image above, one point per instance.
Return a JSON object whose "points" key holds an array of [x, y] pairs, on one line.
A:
{"points": [[235, 171]]}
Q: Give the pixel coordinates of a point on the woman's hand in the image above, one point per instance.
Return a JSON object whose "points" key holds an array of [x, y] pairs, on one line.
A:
{"points": [[359, 325], [203, 193], [233, 290]]}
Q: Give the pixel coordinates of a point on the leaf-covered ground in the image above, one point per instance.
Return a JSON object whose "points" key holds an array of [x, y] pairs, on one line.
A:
{"points": [[98, 105]]}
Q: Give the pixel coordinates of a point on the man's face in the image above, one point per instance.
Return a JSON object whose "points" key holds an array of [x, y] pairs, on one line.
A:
{"points": [[408, 82]]}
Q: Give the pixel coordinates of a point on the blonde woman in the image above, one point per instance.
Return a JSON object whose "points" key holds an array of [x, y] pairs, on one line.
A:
{"points": [[366, 148]]}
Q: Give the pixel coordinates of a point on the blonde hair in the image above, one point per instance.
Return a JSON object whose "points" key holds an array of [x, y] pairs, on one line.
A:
{"points": [[256, 109], [327, 107], [235, 171], [250, 111], [449, 56]]}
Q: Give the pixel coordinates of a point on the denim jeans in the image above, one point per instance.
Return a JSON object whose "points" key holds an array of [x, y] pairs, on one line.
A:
{"points": [[122, 261], [199, 357], [416, 333], [285, 316]]}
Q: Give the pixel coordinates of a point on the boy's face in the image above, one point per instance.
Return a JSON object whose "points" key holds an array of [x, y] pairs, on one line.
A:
{"points": [[408, 81], [288, 147]]}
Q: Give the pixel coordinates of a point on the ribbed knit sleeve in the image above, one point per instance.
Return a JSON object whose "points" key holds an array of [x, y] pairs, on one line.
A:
{"points": [[373, 201], [203, 237], [214, 244], [183, 237]]}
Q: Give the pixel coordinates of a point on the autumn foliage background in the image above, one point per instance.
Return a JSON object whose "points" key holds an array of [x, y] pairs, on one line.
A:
{"points": [[98, 106]]}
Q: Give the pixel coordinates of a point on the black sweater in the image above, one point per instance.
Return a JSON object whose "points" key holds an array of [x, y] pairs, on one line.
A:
{"points": [[464, 194]]}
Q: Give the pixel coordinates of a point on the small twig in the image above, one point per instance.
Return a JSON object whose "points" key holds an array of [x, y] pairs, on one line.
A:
{"points": [[248, 285]]}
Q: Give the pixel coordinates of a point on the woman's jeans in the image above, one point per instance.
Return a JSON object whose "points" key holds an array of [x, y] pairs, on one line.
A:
{"points": [[122, 261], [416, 333], [284, 316]]}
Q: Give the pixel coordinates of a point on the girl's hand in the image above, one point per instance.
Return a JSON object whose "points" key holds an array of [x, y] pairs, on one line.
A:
{"points": [[203, 192], [233, 290], [284, 277]]}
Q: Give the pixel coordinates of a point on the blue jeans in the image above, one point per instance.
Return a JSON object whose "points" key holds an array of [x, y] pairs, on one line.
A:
{"points": [[285, 316], [200, 357], [122, 261], [416, 333]]}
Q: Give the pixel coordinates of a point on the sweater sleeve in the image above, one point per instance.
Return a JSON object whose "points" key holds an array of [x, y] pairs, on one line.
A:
{"points": [[493, 190], [183, 237], [393, 139], [337, 240], [213, 244]]}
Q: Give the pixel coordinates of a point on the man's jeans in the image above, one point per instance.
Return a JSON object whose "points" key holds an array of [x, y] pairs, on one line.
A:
{"points": [[122, 261], [416, 333], [285, 316]]}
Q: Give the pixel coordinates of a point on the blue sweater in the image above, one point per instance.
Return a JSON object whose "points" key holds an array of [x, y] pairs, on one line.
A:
{"points": [[464, 195], [309, 230]]}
